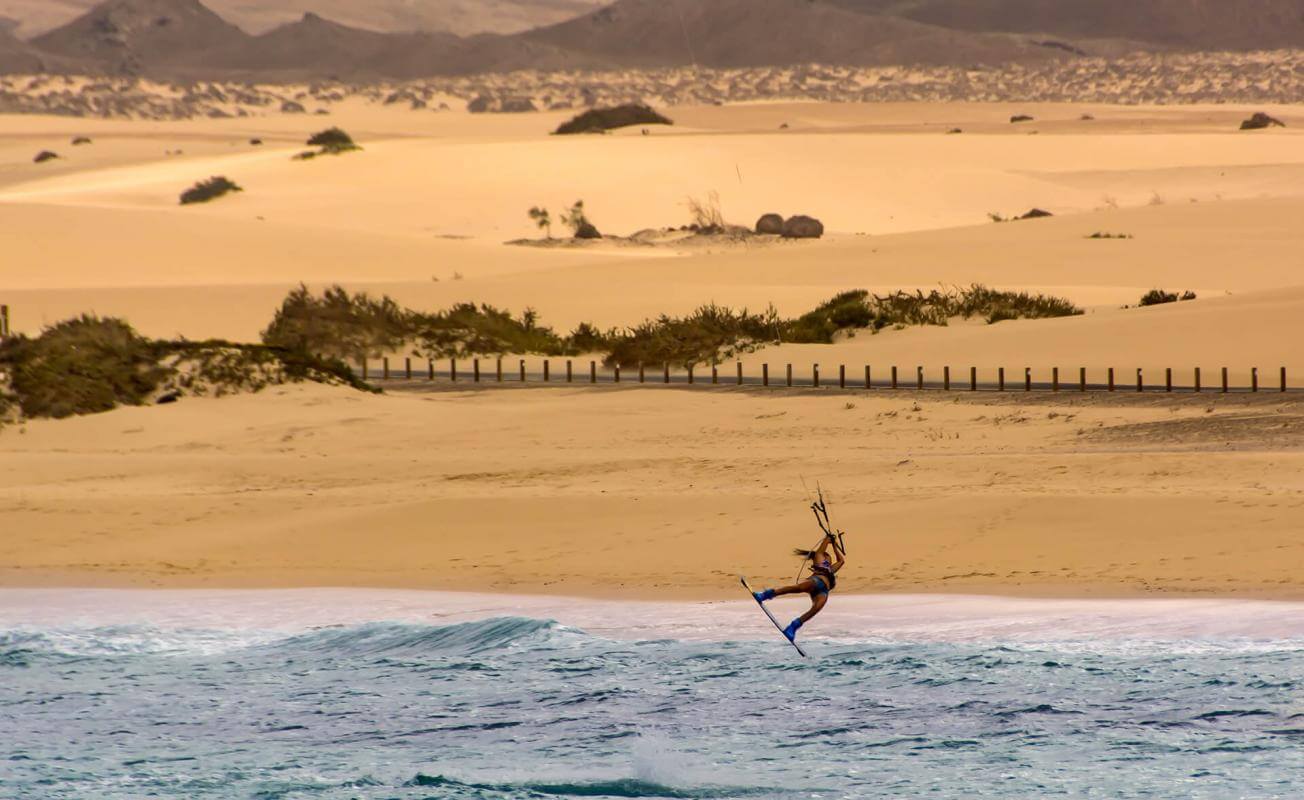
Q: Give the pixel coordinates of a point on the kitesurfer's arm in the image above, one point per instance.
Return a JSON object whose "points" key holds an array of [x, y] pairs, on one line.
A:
{"points": [[837, 551]]}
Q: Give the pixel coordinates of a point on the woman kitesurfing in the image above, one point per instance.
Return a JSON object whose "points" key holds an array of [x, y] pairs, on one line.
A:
{"points": [[823, 579], [823, 573]]}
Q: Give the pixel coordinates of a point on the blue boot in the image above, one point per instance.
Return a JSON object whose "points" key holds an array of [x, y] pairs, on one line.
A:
{"points": [[791, 630], [761, 597]]}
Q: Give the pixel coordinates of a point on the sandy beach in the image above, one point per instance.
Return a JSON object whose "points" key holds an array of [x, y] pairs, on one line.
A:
{"points": [[663, 493]]}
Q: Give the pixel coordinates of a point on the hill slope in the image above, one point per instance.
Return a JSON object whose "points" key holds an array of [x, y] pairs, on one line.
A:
{"points": [[731, 33], [1209, 24], [134, 35], [463, 17]]}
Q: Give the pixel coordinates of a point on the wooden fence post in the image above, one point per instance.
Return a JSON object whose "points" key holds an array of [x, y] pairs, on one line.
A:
{"points": [[1168, 379], [615, 373], [1111, 379], [4, 324], [364, 368], [1082, 379], [547, 371], [1000, 379], [593, 372], [946, 379], [1224, 381], [789, 374], [740, 373], [569, 374], [1027, 379], [690, 372], [815, 375], [1054, 379], [842, 376], [1283, 379], [1197, 380], [407, 367], [765, 374], [1140, 381], [452, 369], [894, 377], [666, 373], [522, 367], [384, 367], [499, 369], [869, 383], [642, 377], [476, 367], [973, 379], [430, 369], [715, 374], [919, 378], [1254, 379]]}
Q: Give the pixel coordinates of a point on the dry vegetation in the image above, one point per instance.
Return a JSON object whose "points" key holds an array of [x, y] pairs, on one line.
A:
{"points": [[1275, 76]]}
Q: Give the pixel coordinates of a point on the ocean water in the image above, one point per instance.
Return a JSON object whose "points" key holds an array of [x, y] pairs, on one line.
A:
{"points": [[107, 695]]}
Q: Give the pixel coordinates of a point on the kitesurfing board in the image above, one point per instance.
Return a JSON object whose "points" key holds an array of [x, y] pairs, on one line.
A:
{"points": [[771, 616]]}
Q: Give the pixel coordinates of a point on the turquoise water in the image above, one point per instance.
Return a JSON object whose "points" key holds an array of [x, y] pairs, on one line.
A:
{"points": [[513, 707]]}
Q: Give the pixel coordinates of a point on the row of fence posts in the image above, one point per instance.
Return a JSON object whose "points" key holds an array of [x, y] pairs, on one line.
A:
{"points": [[895, 380]]}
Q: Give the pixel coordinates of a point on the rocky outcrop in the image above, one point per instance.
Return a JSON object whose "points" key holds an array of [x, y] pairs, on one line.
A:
{"points": [[1260, 121], [770, 223], [802, 227]]}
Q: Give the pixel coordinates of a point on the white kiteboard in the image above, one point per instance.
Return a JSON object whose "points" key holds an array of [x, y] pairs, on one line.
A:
{"points": [[771, 616]]}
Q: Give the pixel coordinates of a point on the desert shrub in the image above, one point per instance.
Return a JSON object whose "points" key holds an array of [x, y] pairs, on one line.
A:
{"points": [[542, 219], [708, 334], [338, 324], [706, 214], [210, 189], [81, 366], [1156, 297], [467, 329], [599, 120], [588, 338], [844, 311], [78, 141], [1105, 235], [1020, 118], [44, 156], [333, 140]]}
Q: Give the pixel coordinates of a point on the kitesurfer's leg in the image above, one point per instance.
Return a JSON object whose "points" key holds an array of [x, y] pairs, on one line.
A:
{"points": [[816, 605], [801, 588]]}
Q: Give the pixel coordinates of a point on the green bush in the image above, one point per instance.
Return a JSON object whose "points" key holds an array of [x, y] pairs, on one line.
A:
{"points": [[599, 120], [708, 334], [338, 325], [88, 365], [1156, 297], [333, 140], [210, 189], [81, 366]]}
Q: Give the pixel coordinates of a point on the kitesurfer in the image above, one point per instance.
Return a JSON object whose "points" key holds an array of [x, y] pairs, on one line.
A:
{"points": [[822, 580]]}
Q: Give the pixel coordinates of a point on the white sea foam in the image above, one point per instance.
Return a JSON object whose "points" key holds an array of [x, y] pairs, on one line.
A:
{"points": [[233, 617]]}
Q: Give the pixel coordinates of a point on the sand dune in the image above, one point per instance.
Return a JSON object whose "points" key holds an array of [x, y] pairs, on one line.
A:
{"points": [[631, 491], [643, 492]]}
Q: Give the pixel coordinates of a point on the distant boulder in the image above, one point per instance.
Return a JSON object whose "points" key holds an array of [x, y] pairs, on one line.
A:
{"points": [[802, 227], [587, 230], [1021, 118], [1036, 213], [770, 223], [1261, 120], [599, 120]]}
